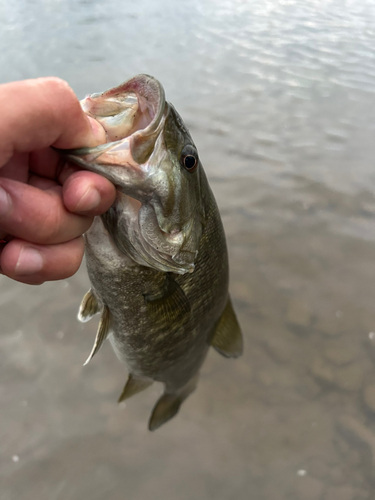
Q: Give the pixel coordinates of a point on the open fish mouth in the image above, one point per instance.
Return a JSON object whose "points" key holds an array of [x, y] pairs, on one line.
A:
{"points": [[134, 116]]}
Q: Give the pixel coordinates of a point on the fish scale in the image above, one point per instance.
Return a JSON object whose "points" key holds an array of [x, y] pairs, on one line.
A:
{"points": [[157, 260]]}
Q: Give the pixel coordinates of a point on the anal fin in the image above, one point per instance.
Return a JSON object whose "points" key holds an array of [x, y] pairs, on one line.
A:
{"points": [[101, 334], [133, 386], [227, 336], [88, 308]]}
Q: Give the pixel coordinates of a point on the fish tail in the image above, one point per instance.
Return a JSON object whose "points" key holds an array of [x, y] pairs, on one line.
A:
{"points": [[169, 404]]}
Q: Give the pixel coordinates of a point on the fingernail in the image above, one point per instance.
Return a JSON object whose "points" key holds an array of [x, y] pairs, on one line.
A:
{"points": [[89, 201], [5, 201], [29, 261]]}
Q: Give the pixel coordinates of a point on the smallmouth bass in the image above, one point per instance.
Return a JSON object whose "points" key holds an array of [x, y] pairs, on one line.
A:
{"points": [[157, 259]]}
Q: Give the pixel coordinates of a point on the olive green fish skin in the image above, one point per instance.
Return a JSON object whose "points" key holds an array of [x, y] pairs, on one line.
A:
{"points": [[146, 341], [157, 259]]}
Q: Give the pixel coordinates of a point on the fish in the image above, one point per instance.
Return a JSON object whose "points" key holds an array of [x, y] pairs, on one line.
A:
{"points": [[157, 260]]}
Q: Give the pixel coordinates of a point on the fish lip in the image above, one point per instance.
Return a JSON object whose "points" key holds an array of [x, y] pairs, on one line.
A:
{"points": [[147, 88], [150, 81], [144, 86], [94, 151]]}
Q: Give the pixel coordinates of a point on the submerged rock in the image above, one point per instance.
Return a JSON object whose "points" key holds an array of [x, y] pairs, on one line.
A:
{"points": [[341, 355], [350, 377], [331, 325], [322, 371], [298, 313]]}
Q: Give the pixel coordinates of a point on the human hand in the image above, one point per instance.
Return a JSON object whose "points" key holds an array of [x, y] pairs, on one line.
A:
{"points": [[45, 204]]}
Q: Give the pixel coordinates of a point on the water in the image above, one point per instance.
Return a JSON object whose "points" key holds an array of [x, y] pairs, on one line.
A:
{"points": [[280, 98]]}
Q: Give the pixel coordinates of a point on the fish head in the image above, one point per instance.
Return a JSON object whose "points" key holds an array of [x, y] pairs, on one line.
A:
{"points": [[151, 158]]}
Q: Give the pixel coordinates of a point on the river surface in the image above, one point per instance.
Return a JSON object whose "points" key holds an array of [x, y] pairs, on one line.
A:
{"points": [[280, 98]]}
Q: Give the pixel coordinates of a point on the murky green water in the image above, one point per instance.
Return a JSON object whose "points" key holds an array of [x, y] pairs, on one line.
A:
{"points": [[280, 98]]}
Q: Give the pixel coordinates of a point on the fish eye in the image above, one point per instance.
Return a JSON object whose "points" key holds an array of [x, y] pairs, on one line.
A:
{"points": [[189, 158], [190, 162]]}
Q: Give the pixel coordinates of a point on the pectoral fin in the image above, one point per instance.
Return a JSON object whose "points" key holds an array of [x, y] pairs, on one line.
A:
{"points": [[133, 386], [88, 308], [227, 336], [101, 335], [170, 301]]}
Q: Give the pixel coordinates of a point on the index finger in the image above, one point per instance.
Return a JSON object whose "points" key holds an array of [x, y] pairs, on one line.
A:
{"points": [[42, 112]]}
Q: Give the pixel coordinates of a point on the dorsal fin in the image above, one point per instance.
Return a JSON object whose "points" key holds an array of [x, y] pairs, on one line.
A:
{"points": [[101, 334], [227, 336], [88, 308], [133, 386]]}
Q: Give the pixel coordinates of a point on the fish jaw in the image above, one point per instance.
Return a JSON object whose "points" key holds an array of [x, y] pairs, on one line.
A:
{"points": [[142, 158], [152, 245], [115, 162], [132, 116]]}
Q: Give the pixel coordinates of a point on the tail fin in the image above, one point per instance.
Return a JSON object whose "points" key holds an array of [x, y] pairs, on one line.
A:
{"points": [[165, 409], [168, 404]]}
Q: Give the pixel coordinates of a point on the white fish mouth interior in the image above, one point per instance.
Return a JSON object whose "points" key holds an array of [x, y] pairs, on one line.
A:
{"points": [[120, 115]]}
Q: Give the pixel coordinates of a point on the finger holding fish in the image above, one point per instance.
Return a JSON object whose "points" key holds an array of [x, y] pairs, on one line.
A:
{"points": [[34, 264]]}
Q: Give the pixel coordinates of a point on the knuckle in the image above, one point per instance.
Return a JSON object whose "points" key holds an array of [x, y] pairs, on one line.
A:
{"points": [[51, 227], [57, 85], [76, 256], [52, 222], [62, 92]]}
